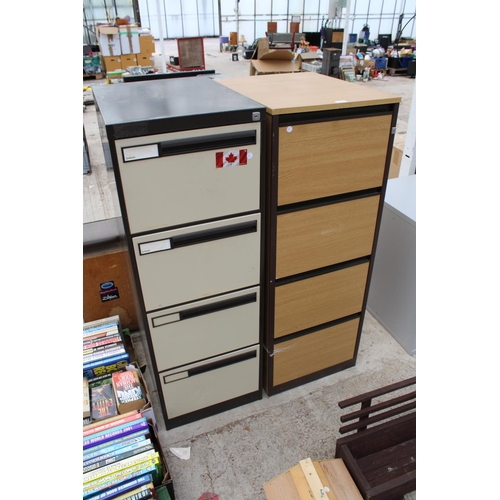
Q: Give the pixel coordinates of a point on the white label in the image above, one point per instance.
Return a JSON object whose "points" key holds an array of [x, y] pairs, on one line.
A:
{"points": [[140, 152], [249, 156], [165, 320], [155, 246], [289, 129]]}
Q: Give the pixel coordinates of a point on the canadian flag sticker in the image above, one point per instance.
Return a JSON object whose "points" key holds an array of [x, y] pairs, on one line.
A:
{"points": [[225, 159]]}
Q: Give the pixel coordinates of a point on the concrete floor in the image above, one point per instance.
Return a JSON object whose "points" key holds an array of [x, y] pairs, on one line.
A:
{"points": [[232, 454]]}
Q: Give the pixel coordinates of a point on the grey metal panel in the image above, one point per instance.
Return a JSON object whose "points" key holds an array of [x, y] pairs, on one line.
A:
{"points": [[392, 295]]}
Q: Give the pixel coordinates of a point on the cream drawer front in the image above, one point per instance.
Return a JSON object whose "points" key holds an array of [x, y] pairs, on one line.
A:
{"points": [[199, 261], [200, 385], [205, 328], [178, 178]]}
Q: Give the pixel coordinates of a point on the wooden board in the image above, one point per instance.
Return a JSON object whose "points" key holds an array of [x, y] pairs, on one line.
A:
{"points": [[328, 158], [314, 352], [109, 266], [306, 91], [322, 236], [306, 480], [306, 303], [191, 52]]}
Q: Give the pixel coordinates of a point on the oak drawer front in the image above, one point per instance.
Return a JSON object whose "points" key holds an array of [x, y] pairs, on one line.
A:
{"points": [[310, 302], [205, 328], [319, 237], [199, 261], [316, 351], [200, 385], [317, 160]]}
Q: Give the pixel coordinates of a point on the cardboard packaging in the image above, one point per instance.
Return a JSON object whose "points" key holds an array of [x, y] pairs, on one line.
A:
{"points": [[109, 41], [129, 39], [146, 44], [145, 60], [111, 63], [128, 60], [276, 61]]}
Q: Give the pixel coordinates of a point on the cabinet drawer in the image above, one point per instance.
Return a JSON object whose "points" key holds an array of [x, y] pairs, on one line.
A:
{"points": [[200, 385], [205, 328], [183, 177], [328, 158], [310, 302], [316, 351], [318, 237], [199, 261]]}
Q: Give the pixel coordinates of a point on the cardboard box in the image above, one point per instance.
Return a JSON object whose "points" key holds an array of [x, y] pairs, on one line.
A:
{"points": [[276, 61], [147, 44], [306, 57], [111, 63], [109, 41], [129, 39], [145, 60], [128, 60]]}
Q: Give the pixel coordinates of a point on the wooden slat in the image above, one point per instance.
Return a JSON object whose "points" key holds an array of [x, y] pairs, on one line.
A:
{"points": [[326, 235], [377, 392], [378, 407], [311, 476], [322, 159], [362, 424], [306, 303], [314, 352]]}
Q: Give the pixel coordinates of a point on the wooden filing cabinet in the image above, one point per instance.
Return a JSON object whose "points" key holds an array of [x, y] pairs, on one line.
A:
{"points": [[328, 151]]}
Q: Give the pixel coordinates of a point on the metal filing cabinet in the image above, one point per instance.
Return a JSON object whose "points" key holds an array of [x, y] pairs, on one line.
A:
{"points": [[187, 155], [329, 155]]}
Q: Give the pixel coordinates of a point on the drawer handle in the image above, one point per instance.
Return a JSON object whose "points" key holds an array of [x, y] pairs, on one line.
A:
{"points": [[203, 310], [198, 237], [218, 306], [208, 143], [222, 363]]}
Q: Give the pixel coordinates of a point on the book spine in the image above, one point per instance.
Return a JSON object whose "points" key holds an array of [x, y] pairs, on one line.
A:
{"points": [[114, 445], [121, 465], [105, 353], [144, 488], [104, 347], [113, 359], [121, 431], [92, 344], [110, 481], [100, 328], [117, 455], [115, 423], [130, 485], [144, 494], [100, 334]]}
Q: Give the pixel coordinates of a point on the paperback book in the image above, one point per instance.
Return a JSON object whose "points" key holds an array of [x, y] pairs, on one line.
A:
{"points": [[128, 391], [103, 400]]}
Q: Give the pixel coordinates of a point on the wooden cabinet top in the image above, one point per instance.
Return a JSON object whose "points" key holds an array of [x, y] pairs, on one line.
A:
{"points": [[304, 92]]}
